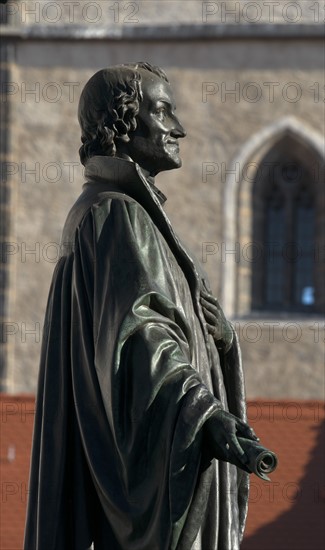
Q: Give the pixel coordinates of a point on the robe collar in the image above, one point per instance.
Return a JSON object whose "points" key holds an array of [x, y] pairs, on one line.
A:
{"points": [[119, 175], [122, 174]]}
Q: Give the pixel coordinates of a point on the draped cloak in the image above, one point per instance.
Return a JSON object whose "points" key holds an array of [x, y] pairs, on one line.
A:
{"points": [[128, 377]]}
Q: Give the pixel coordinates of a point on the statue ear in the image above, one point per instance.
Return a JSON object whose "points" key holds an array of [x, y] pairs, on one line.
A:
{"points": [[121, 130]]}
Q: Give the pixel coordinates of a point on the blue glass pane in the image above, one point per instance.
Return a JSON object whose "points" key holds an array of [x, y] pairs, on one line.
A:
{"points": [[307, 296], [304, 273]]}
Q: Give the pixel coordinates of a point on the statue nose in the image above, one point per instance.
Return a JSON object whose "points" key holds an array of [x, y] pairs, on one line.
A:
{"points": [[178, 131]]}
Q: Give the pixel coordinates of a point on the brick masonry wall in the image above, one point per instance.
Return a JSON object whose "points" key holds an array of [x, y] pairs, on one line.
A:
{"points": [[16, 425], [287, 513], [284, 514]]}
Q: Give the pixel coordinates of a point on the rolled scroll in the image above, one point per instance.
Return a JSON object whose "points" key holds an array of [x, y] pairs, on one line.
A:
{"points": [[260, 461]]}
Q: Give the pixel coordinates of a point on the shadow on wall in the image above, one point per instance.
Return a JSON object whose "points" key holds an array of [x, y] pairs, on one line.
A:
{"points": [[301, 526]]}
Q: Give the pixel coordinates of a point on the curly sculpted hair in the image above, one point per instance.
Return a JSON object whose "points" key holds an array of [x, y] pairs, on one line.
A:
{"points": [[108, 107]]}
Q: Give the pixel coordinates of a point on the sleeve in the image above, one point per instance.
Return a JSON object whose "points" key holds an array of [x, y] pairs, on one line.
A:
{"points": [[147, 399]]}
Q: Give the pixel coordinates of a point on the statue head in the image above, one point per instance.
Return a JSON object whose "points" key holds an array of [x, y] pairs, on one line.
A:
{"points": [[128, 111]]}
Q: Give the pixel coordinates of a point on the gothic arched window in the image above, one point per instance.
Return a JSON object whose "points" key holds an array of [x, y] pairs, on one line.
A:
{"points": [[284, 233]]}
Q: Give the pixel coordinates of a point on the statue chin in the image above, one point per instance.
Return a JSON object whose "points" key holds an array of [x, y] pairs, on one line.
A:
{"points": [[169, 163]]}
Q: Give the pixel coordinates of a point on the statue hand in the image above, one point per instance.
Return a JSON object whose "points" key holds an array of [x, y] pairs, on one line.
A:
{"points": [[216, 321], [222, 430]]}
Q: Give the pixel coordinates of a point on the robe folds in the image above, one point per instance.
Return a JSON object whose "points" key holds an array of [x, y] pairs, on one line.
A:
{"points": [[128, 377]]}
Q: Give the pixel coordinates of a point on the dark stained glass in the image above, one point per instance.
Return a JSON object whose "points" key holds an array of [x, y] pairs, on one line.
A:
{"points": [[274, 255], [303, 284], [284, 223]]}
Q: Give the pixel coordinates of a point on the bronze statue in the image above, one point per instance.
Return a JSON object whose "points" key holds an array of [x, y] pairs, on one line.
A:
{"points": [[140, 440]]}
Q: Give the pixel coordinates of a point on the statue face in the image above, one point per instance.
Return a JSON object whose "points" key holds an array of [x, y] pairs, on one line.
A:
{"points": [[154, 143]]}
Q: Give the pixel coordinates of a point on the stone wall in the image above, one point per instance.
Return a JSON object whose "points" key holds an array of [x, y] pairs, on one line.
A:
{"points": [[124, 12], [226, 91], [283, 358]]}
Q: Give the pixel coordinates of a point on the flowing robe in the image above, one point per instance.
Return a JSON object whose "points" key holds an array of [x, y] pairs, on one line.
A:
{"points": [[128, 377]]}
